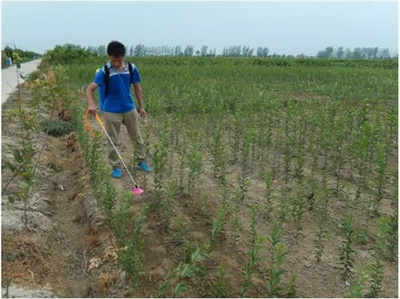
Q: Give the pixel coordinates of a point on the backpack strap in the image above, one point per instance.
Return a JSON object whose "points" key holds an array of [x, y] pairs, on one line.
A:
{"points": [[107, 72], [130, 72]]}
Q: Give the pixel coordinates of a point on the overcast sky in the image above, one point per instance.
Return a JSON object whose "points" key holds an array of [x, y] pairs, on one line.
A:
{"points": [[284, 27]]}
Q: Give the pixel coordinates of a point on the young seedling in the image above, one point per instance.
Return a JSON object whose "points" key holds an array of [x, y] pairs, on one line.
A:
{"points": [[376, 273], [298, 210], [292, 288], [131, 257], [160, 160], [277, 252], [220, 284], [175, 284], [382, 160], [256, 245], [195, 161], [171, 193], [347, 250], [218, 225], [237, 133], [23, 169], [248, 148], [269, 178], [357, 287], [219, 157], [392, 235], [122, 218], [322, 227]]}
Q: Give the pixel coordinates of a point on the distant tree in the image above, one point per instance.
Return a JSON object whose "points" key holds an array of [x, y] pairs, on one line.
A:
{"points": [[178, 51], [322, 54], [8, 50], [204, 50], [236, 51], [212, 53], [189, 50], [329, 52], [262, 52], [259, 52], [384, 54], [251, 52], [340, 53], [73, 46], [357, 53], [92, 50], [231, 51], [139, 50], [375, 53], [198, 53], [170, 50], [101, 50], [369, 52], [245, 51], [348, 54], [163, 51], [150, 51]]}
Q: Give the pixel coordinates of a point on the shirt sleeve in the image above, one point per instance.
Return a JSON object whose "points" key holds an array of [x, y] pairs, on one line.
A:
{"points": [[99, 77], [136, 76]]}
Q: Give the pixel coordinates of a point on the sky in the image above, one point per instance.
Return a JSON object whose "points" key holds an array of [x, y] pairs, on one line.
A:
{"points": [[284, 27]]}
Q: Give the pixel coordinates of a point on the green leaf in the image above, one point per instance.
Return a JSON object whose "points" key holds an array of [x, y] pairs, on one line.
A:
{"points": [[23, 185], [179, 288], [10, 166], [17, 155]]}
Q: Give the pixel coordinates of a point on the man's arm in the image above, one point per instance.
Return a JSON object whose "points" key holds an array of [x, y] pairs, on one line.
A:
{"points": [[89, 95], [139, 96]]}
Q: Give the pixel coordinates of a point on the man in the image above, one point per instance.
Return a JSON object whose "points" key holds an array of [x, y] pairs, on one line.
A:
{"points": [[114, 80]]}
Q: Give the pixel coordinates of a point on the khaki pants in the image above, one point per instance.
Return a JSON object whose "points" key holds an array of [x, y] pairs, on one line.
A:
{"points": [[131, 121]]}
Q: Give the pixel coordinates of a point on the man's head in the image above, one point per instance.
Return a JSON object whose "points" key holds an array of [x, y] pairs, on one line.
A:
{"points": [[116, 53]]}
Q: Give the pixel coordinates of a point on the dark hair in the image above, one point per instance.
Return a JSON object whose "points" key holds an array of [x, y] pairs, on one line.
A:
{"points": [[115, 49]]}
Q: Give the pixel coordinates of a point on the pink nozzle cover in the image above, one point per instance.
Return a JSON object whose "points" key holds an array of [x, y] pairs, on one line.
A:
{"points": [[137, 190]]}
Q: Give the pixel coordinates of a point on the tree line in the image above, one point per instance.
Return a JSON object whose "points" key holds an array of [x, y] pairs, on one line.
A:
{"points": [[231, 51], [356, 53], [246, 51], [25, 56]]}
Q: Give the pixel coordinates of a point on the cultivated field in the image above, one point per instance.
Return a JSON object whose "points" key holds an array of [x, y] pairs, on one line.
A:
{"points": [[270, 178]]}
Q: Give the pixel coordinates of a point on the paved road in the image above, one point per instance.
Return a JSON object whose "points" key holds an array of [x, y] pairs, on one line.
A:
{"points": [[9, 77]]}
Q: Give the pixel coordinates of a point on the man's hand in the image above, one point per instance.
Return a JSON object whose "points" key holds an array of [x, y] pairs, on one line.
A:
{"points": [[89, 95], [142, 112], [92, 109]]}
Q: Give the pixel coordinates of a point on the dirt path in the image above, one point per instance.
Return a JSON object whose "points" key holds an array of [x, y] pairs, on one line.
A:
{"points": [[69, 212], [53, 253]]}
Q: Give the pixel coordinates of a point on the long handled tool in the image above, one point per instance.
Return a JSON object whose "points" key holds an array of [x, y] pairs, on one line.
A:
{"points": [[137, 190]]}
